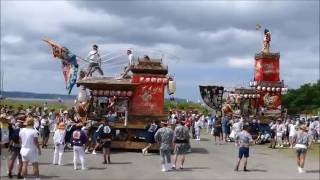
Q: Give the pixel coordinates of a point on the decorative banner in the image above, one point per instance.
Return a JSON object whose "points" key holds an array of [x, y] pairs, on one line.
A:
{"points": [[69, 63], [212, 96], [57, 50], [272, 101], [148, 97], [267, 70]]}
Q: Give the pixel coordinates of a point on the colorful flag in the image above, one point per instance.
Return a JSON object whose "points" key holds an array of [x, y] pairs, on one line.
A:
{"points": [[57, 50], [212, 96], [69, 63]]}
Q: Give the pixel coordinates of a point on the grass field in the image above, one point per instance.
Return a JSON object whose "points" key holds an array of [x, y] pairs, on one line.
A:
{"points": [[26, 103]]}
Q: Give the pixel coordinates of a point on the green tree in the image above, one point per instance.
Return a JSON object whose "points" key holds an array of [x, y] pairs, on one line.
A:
{"points": [[305, 99]]}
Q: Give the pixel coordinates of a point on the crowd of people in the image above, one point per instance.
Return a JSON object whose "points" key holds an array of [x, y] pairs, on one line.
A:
{"points": [[20, 129], [280, 133]]}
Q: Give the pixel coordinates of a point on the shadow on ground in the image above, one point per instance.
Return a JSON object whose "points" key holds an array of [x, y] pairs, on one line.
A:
{"points": [[96, 168], [258, 170], [313, 171], [44, 163], [121, 162], [192, 168], [43, 177], [199, 150]]}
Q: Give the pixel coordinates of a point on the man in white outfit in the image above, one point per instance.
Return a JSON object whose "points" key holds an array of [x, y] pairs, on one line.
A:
{"points": [[197, 126], [280, 129], [95, 61], [292, 133], [30, 148], [236, 128], [79, 139], [58, 139], [131, 64]]}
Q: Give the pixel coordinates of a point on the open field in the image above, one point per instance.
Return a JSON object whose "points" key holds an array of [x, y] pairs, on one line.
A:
{"points": [[53, 104]]}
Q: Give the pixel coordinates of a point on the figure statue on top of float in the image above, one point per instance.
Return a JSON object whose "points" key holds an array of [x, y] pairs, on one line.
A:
{"points": [[266, 41]]}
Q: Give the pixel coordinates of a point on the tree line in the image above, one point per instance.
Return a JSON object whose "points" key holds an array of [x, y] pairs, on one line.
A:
{"points": [[305, 99]]}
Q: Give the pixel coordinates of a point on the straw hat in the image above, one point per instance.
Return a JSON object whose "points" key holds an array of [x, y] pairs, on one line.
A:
{"points": [[65, 112], [304, 127], [3, 116], [79, 125], [29, 122], [61, 126], [180, 122], [164, 122], [22, 112]]}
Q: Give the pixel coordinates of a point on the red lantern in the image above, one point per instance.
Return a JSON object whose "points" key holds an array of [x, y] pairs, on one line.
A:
{"points": [[129, 93], [112, 93], [164, 80], [123, 93], [106, 93]]}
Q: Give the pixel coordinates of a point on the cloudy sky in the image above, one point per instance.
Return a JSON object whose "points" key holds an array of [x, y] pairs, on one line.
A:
{"points": [[204, 42]]}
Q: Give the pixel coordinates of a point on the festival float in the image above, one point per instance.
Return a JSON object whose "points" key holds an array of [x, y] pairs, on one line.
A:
{"points": [[263, 97], [138, 100]]}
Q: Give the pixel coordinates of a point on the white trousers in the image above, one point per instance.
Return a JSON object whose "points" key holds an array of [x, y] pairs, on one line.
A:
{"points": [[57, 155], [279, 140], [78, 154]]}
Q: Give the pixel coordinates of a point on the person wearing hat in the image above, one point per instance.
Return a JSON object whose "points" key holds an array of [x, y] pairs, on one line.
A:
{"points": [[59, 141], [164, 136], [197, 127], [65, 116], [243, 141], [280, 130], [181, 139], [273, 128], [97, 136], [30, 148], [14, 149], [236, 128], [106, 138], [151, 130], [4, 127], [4, 135], [95, 61], [44, 130], [302, 141], [79, 139], [217, 132]]}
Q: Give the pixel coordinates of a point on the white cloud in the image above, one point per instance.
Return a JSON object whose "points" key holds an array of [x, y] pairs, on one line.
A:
{"points": [[216, 39], [242, 63], [11, 39]]}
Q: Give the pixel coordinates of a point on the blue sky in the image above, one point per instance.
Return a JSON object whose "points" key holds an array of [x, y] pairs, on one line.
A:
{"points": [[205, 42]]}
